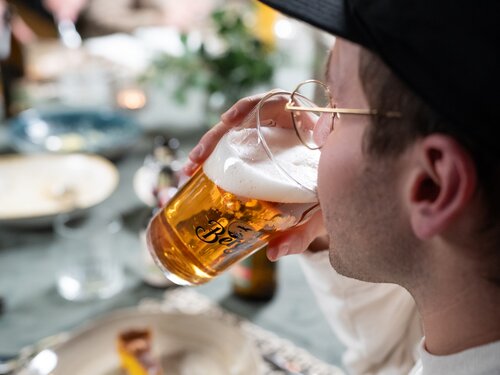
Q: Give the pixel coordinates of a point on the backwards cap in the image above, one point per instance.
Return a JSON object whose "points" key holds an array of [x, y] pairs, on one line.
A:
{"points": [[446, 51]]}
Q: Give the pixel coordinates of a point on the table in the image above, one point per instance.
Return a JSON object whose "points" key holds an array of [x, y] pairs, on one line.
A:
{"points": [[28, 264]]}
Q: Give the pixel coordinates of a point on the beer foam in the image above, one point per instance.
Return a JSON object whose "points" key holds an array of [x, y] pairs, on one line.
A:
{"points": [[240, 165]]}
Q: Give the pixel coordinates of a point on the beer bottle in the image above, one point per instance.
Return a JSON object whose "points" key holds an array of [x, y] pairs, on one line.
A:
{"points": [[254, 278], [163, 155]]}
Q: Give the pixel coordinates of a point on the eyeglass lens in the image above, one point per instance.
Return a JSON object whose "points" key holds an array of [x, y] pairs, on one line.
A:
{"points": [[305, 120]]}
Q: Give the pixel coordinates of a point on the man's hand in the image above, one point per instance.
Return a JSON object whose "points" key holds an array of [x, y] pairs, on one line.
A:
{"points": [[293, 241]]}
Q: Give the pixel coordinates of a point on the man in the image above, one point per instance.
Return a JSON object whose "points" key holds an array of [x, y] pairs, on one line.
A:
{"points": [[411, 199]]}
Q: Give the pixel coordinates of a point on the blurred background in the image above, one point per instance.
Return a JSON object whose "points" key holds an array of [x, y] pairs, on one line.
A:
{"points": [[166, 62], [101, 101]]}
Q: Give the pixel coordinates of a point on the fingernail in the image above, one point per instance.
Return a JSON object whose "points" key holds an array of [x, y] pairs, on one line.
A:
{"points": [[190, 167], [272, 253], [229, 115], [283, 250], [196, 153]]}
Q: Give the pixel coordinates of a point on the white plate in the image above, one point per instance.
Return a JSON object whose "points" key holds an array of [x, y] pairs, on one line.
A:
{"points": [[35, 188], [187, 344]]}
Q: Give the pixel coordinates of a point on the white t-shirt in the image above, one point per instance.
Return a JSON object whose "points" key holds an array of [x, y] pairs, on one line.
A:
{"points": [[380, 327], [481, 360]]}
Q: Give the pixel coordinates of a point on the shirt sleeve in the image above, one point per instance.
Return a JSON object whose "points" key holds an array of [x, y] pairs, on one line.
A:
{"points": [[378, 323]]}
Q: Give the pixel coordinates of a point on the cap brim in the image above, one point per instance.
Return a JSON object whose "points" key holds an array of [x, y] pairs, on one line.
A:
{"points": [[332, 16]]}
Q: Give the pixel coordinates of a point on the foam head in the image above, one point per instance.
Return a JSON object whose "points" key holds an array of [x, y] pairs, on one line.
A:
{"points": [[240, 165]]}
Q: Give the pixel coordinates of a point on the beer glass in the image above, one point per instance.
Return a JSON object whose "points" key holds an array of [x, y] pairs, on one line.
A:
{"points": [[259, 181]]}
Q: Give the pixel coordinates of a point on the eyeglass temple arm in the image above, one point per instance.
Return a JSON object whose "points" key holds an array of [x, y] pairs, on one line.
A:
{"points": [[351, 111]]}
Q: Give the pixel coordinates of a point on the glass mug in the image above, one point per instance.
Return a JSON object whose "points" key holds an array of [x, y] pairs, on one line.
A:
{"points": [[259, 181]]}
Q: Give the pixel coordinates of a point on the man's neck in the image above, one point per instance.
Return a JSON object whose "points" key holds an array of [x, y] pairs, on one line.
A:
{"points": [[458, 318]]}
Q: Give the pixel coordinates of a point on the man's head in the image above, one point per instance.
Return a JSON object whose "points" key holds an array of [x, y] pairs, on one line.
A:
{"points": [[392, 189], [438, 59]]}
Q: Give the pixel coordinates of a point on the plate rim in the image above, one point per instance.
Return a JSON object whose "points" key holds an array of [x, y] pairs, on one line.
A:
{"points": [[112, 169]]}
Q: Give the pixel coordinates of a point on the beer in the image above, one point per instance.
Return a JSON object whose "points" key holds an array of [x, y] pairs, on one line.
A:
{"points": [[230, 208]]}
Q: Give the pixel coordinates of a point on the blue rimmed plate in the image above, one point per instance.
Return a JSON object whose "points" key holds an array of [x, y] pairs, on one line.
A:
{"points": [[104, 132]]}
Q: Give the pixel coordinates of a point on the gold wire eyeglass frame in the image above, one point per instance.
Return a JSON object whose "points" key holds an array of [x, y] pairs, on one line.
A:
{"points": [[289, 106]]}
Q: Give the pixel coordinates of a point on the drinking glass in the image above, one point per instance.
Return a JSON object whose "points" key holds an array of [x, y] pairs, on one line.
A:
{"points": [[259, 181], [90, 261]]}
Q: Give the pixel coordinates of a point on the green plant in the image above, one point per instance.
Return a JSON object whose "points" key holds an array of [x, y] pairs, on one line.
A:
{"points": [[243, 63]]}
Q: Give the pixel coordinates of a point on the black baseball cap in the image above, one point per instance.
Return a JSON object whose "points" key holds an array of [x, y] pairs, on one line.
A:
{"points": [[446, 51]]}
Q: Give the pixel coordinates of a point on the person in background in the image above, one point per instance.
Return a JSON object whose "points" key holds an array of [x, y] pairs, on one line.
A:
{"points": [[410, 208], [39, 17], [5, 29], [65, 9], [30, 20]]}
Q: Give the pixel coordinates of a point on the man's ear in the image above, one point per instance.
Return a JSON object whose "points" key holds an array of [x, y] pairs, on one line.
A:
{"points": [[441, 183]]}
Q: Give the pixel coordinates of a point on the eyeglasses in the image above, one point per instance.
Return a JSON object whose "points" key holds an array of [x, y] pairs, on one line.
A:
{"points": [[307, 114]]}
